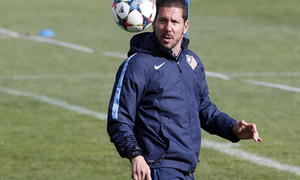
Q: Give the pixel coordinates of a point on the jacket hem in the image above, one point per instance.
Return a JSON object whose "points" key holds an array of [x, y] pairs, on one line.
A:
{"points": [[168, 163]]}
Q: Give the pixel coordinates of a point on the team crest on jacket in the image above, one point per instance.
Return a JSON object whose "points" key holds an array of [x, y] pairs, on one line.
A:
{"points": [[192, 61]]}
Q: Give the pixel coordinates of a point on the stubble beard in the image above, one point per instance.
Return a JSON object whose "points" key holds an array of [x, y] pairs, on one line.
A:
{"points": [[169, 46]]}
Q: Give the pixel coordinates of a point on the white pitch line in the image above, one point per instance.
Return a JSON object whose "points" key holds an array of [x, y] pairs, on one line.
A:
{"points": [[227, 78], [217, 75], [264, 74], [54, 102], [46, 40], [227, 148], [208, 73], [272, 85], [240, 154], [114, 54]]}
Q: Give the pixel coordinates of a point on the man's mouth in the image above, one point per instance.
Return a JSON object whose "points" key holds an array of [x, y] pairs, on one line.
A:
{"points": [[167, 37]]}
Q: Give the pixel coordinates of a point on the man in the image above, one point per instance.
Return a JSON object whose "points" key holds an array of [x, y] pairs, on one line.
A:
{"points": [[160, 102]]}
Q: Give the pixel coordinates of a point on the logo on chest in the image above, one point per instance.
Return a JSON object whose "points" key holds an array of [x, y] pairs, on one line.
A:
{"points": [[191, 61], [159, 66]]}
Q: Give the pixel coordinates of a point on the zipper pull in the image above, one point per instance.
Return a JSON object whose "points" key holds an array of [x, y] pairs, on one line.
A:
{"points": [[179, 67]]}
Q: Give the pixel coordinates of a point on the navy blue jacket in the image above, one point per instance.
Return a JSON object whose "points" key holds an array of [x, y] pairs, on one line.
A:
{"points": [[159, 105]]}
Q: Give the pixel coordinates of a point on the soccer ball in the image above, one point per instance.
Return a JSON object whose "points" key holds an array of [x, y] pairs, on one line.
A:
{"points": [[133, 15]]}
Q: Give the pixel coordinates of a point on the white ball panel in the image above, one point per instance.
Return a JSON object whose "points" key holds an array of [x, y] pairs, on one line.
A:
{"points": [[135, 28], [114, 15], [146, 8], [135, 18], [122, 9], [153, 14]]}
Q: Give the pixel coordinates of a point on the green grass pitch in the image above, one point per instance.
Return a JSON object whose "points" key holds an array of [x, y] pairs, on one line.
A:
{"points": [[253, 40]]}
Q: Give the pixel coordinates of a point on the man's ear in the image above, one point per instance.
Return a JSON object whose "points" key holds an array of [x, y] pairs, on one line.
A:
{"points": [[153, 25], [186, 26]]}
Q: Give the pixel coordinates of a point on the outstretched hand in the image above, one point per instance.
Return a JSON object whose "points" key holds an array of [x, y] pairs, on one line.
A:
{"points": [[244, 130]]}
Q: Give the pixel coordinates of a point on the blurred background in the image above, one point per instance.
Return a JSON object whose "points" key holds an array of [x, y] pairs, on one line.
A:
{"points": [[54, 99]]}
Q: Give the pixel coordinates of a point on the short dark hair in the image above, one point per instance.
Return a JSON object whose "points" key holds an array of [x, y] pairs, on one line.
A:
{"points": [[174, 3]]}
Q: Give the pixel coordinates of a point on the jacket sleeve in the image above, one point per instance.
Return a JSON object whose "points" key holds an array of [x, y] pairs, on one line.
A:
{"points": [[212, 120], [126, 94]]}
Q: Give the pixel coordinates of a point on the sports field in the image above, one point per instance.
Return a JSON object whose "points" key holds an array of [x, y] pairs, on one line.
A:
{"points": [[54, 99]]}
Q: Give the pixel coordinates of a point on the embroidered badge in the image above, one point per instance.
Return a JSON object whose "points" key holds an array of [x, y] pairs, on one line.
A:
{"points": [[192, 61]]}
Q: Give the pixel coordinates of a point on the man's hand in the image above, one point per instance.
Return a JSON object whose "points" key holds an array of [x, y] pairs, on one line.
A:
{"points": [[140, 169], [244, 130]]}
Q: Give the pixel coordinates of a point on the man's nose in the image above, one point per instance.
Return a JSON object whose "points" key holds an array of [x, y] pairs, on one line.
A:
{"points": [[168, 26]]}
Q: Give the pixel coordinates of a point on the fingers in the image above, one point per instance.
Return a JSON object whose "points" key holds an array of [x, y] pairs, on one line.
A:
{"points": [[255, 134], [243, 122], [140, 169], [257, 138], [141, 176], [148, 176], [245, 130]]}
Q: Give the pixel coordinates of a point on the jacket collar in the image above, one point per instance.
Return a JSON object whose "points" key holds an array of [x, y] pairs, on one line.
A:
{"points": [[147, 43]]}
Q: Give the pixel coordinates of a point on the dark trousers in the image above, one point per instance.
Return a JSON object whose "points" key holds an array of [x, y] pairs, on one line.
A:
{"points": [[170, 174]]}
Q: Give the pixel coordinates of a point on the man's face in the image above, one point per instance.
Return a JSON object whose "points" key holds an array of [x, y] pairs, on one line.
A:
{"points": [[169, 28]]}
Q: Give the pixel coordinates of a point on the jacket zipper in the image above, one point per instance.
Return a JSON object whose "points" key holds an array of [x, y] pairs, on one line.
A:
{"points": [[177, 60], [179, 67]]}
